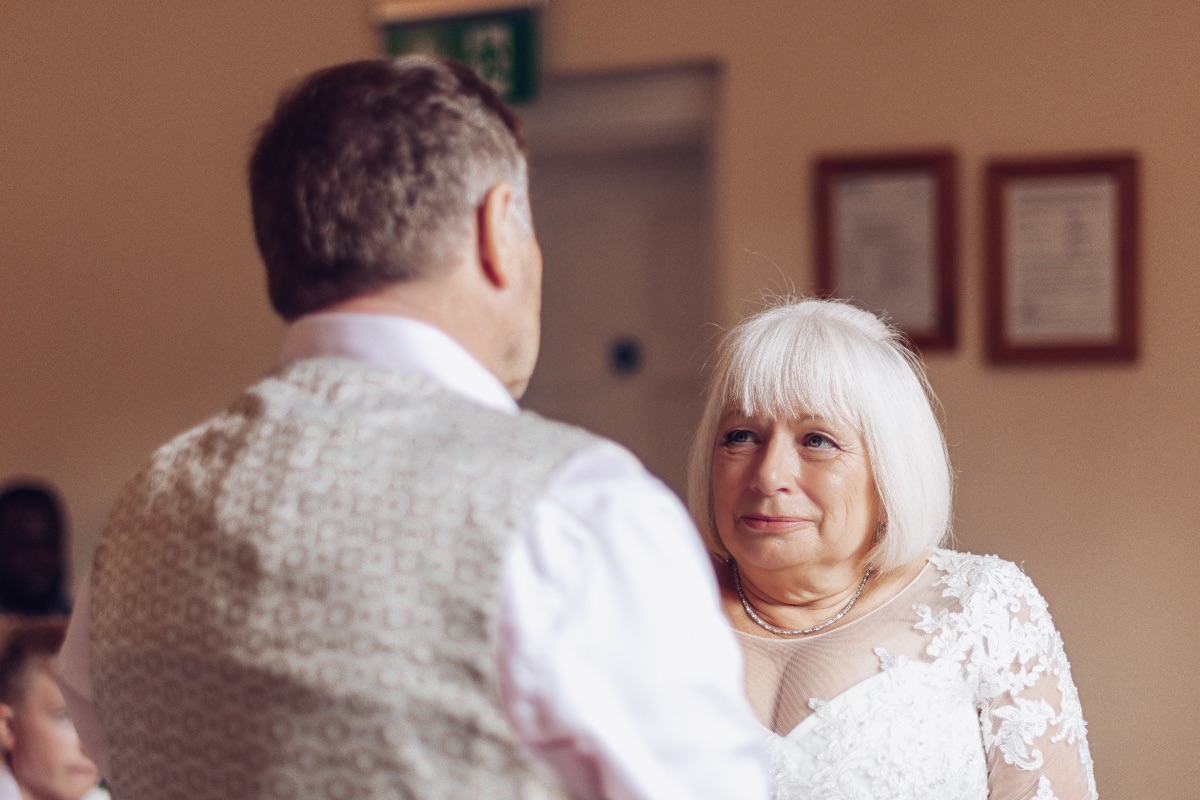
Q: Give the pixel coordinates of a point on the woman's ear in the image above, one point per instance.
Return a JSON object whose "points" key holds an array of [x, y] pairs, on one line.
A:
{"points": [[8, 738]]}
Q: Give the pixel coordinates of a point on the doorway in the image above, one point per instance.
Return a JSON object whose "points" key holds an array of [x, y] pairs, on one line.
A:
{"points": [[621, 185]]}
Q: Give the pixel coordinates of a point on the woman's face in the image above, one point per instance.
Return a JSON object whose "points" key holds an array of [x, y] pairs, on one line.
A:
{"points": [[792, 492]]}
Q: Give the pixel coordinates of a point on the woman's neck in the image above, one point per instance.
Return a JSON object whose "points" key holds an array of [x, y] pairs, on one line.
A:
{"points": [[800, 600]]}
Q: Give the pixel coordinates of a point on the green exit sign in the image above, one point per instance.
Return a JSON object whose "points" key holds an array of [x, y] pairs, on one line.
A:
{"points": [[500, 45]]}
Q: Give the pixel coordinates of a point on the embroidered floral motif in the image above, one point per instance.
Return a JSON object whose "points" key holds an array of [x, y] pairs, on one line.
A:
{"points": [[1043, 792], [1021, 725], [889, 662], [990, 697], [886, 742]]}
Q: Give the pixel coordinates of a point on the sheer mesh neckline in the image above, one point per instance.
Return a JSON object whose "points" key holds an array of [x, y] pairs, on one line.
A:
{"points": [[880, 610]]}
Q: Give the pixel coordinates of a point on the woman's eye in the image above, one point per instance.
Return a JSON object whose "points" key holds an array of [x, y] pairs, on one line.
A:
{"points": [[739, 436], [819, 441]]}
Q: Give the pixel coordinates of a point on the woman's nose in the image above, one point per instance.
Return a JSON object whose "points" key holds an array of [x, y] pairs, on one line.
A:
{"points": [[778, 468]]}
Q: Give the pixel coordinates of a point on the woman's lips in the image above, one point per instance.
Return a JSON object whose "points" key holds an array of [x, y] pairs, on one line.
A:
{"points": [[769, 523]]}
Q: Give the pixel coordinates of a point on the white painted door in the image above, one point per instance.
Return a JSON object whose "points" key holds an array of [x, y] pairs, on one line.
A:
{"points": [[625, 228]]}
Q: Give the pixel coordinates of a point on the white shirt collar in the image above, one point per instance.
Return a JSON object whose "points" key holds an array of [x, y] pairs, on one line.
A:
{"points": [[395, 343]]}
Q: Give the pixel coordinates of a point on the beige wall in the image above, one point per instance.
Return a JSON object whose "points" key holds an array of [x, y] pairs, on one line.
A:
{"points": [[134, 305]]}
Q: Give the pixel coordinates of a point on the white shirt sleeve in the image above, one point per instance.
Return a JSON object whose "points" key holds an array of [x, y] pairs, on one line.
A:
{"points": [[617, 668]]}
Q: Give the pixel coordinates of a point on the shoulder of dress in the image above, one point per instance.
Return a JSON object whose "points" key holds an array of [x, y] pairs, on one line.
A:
{"points": [[958, 561], [973, 578]]}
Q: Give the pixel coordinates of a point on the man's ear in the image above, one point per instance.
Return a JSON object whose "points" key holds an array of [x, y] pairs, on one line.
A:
{"points": [[493, 226], [8, 738]]}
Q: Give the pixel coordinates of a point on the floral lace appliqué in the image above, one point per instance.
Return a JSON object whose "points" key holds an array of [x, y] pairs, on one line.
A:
{"points": [[1011, 655], [1044, 792], [988, 702]]}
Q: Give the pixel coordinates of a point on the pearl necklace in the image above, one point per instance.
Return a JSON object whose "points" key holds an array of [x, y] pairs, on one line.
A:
{"points": [[737, 582]]}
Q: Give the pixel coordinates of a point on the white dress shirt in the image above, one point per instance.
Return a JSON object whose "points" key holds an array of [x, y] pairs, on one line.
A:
{"points": [[617, 669]]}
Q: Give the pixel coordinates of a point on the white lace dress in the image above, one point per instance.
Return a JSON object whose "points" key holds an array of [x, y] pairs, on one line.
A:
{"points": [[955, 689]]}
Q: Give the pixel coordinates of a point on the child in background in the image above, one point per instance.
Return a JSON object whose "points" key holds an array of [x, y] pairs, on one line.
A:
{"points": [[42, 751]]}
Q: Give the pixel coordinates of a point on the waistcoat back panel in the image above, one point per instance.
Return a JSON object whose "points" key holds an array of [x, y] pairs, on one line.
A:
{"points": [[297, 598]]}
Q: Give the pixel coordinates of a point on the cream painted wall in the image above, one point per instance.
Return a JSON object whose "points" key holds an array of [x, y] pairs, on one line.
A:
{"points": [[134, 304]]}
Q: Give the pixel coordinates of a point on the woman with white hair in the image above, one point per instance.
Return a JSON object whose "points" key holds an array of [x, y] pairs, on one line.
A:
{"points": [[881, 665]]}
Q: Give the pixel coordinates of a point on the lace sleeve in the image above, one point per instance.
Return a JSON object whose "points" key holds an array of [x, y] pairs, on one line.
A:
{"points": [[1034, 734]]}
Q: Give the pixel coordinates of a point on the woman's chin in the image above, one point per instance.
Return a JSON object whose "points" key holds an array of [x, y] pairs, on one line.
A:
{"points": [[774, 559]]}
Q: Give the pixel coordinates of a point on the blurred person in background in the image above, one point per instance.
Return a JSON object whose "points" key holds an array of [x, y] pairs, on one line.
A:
{"points": [[32, 550], [42, 752]]}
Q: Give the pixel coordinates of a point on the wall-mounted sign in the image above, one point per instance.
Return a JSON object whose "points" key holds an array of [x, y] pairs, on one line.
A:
{"points": [[499, 40], [886, 239], [1062, 269]]}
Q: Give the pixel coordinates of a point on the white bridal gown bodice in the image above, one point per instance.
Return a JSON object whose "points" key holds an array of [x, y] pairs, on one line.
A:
{"points": [[955, 689]]}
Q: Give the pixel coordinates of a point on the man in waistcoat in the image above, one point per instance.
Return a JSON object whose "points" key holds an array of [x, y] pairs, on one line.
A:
{"points": [[372, 576]]}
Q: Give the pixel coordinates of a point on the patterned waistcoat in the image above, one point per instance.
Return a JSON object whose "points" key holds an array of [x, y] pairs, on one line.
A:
{"points": [[297, 598]]}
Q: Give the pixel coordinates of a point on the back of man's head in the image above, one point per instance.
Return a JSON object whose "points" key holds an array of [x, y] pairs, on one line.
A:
{"points": [[369, 173]]}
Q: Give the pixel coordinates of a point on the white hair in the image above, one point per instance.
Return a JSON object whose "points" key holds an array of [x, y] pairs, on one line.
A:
{"points": [[830, 359]]}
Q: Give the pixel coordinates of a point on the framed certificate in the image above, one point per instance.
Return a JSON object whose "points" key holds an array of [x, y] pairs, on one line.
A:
{"points": [[886, 239], [1062, 250]]}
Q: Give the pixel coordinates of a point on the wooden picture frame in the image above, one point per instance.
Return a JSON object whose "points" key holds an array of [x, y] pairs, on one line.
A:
{"points": [[886, 239], [1062, 259]]}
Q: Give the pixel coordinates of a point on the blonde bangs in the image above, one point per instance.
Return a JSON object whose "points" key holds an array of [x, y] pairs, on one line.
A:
{"points": [[781, 372]]}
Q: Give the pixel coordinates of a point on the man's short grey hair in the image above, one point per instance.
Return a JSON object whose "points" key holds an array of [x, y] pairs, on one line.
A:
{"points": [[830, 359], [370, 173]]}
